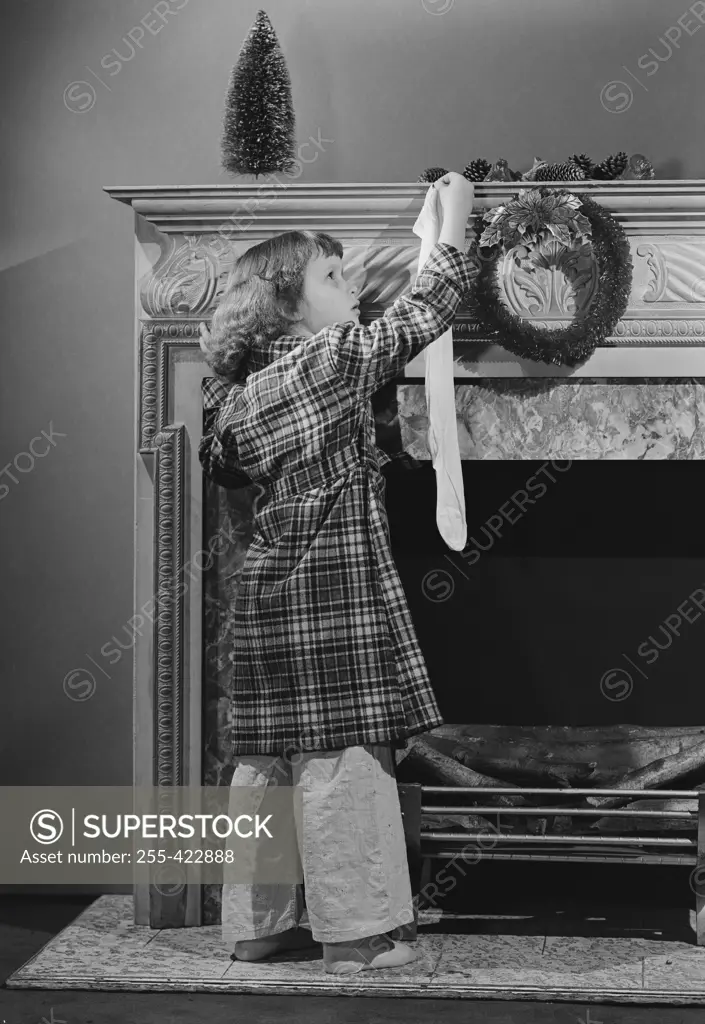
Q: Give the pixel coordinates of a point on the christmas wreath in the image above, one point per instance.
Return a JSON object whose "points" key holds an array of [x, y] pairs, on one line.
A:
{"points": [[523, 225]]}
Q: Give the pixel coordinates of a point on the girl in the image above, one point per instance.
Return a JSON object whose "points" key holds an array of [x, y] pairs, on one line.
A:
{"points": [[326, 664]]}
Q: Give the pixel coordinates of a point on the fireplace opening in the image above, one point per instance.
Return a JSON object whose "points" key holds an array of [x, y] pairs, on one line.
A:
{"points": [[578, 599]]}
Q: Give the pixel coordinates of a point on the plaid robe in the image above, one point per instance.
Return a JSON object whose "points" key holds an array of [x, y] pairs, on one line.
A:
{"points": [[325, 655]]}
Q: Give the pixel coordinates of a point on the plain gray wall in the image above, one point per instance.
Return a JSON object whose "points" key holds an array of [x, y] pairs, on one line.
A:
{"points": [[396, 85]]}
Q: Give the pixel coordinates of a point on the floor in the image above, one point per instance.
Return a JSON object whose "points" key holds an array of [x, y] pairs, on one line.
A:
{"points": [[69, 961]]}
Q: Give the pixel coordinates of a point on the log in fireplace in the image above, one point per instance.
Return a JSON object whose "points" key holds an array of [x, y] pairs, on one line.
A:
{"points": [[640, 398]]}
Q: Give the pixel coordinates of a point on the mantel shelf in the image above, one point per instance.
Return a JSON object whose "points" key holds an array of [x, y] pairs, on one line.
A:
{"points": [[357, 210]]}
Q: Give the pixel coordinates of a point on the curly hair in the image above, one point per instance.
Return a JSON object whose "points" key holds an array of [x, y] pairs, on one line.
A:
{"points": [[262, 297]]}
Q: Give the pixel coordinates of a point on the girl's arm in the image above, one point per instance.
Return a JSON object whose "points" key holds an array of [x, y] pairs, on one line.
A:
{"points": [[368, 357], [217, 462]]}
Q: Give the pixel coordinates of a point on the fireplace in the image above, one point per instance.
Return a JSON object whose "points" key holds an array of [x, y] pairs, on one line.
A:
{"points": [[638, 399], [603, 572]]}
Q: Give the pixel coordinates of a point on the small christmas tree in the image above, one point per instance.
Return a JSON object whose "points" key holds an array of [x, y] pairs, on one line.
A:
{"points": [[259, 121]]}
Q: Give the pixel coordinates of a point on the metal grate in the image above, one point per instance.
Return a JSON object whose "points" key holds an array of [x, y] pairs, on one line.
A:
{"points": [[662, 849]]}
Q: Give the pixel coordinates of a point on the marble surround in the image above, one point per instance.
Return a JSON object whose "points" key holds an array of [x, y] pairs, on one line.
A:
{"points": [[598, 419], [104, 950]]}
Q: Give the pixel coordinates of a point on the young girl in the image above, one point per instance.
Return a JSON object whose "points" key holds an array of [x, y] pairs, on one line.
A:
{"points": [[326, 664]]}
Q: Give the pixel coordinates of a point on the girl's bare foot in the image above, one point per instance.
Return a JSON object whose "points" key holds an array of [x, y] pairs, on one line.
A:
{"points": [[372, 953], [260, 949]]}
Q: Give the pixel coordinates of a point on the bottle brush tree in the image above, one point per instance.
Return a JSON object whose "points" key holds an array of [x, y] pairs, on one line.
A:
{"points": [[259, 121]]}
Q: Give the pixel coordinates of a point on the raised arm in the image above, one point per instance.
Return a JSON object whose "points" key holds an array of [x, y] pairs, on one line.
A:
{"points": [[366, 358]]}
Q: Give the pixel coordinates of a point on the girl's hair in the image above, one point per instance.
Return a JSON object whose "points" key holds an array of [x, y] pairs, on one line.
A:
{"points": [[262, 297]]}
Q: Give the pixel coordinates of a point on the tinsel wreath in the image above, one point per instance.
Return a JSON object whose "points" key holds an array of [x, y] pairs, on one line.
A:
{"points": [[563, 346]]}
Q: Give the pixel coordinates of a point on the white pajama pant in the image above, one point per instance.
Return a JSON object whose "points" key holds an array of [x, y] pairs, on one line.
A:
{"points": [[352, 850]]}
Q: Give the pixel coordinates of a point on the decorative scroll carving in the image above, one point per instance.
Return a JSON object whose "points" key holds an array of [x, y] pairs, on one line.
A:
{"points": [[156, 341], [564, 282], [382, 273], [678, 270], [656, 265], [188, 277], [191, 275]]}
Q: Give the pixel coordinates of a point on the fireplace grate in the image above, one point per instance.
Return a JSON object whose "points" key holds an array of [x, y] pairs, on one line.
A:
{"points": [[424, 844]]}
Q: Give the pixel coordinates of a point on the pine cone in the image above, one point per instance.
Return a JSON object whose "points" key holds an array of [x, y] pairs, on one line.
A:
{"points": [[613, 166], [560, 172], [432, 174], [583, 161], [477, 170]]}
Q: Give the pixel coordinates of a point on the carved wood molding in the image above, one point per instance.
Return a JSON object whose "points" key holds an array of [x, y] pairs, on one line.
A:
{"points": [[189, 279], [191, 274], [665, 332], [168, 898], [672, 333], [157, 342], [372, 211], [677, 271], [169, 639]]}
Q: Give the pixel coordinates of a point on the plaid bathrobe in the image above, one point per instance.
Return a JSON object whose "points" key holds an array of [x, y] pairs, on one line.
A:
{"points": [[325, 655]]}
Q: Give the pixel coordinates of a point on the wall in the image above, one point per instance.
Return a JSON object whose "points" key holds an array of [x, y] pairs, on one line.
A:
{"points": [[396, 85]]}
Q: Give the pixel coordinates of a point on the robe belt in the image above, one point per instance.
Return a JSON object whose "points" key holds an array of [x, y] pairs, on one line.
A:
{"points": [[322, 474]]}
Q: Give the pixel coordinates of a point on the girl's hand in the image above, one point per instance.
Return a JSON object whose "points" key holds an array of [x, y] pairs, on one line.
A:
{"points": [[205, 339], [456, 195]]}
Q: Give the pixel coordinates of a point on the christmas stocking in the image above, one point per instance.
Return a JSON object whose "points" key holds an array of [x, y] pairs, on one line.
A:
{"points": [[440, 401]]}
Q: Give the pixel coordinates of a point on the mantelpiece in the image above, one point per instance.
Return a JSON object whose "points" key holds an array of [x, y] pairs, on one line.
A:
{"points": [[186, 242]]}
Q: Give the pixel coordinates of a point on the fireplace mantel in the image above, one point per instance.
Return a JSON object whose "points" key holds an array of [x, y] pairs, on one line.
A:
{"points": [[387, 210], [640, 395], [188, 238]]}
